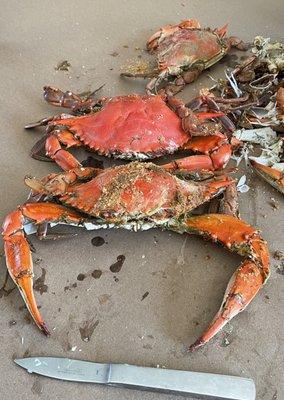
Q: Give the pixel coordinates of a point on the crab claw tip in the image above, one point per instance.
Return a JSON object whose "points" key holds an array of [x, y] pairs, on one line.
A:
{"points": [[198, 343], [45, 329]]}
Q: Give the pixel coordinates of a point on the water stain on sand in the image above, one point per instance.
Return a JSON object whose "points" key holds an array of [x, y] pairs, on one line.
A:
{"points": [[97, 273], [81, 277], [97, 241], [71, 286], [39, 284], [37, 387], [104, 298], [87, 329], [4, 291], [116, 267]]}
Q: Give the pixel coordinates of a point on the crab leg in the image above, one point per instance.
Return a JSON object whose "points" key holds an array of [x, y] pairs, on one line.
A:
{"points": [[217, 154], [57, 97], [237, 236], [270, 175], [58, 184], [17, 249], [55, 151]]}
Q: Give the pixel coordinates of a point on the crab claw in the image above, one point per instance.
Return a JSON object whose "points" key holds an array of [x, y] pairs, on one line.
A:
{"points": [[57, 97], [245, 283], [17, 249], [271, 175]]}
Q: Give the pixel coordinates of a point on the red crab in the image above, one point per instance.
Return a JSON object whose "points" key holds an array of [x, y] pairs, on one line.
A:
{"points": [[136, 196], [133, 127], [184, 51]]}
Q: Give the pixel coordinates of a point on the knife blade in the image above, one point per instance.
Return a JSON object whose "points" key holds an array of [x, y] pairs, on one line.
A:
{"points": [[145, 378]]}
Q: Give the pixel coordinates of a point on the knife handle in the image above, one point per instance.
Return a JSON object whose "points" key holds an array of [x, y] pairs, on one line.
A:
{"points": [[172, 381]]}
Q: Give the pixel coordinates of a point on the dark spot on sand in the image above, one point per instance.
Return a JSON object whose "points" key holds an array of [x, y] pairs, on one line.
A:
{"points": [[63, 66], [87, 329], [37, 387], [81, 277], [69, 287], [144, 296], [27, 353], [97, 273], [39, 285], [12, 322], [27, 318], [98, 241], [4, 291], [116, 267], [280, 269]]}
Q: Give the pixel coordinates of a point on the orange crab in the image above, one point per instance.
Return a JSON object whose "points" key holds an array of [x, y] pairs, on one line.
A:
{"points": [[184, 51], [136, 196], [134, 127]]}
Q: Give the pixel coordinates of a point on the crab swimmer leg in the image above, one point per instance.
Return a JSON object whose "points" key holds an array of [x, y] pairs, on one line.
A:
{"points": [[237, 236], [17, 249]]}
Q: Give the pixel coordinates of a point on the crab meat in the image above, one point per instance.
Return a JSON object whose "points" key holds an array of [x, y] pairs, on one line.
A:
{"points": [[137, 196]]}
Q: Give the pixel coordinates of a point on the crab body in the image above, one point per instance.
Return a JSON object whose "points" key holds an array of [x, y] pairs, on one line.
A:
{"points": [[132, 127], [135, 196], [137, 191], [182, 48], [183, 51], [129, 127]]}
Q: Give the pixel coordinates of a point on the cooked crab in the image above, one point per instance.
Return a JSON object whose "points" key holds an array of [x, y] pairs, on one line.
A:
{"points": [[136, 196], [184, 51], [133, 127]]}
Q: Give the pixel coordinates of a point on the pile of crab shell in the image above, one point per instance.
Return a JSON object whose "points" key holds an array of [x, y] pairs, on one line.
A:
{"points": [[226, 121]]}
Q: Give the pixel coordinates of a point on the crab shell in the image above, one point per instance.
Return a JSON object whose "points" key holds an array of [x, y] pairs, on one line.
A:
{"points": [[129, 127], [140, 191], [187, 46]]}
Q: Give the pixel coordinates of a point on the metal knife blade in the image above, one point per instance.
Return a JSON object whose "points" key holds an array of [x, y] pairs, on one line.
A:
{"points": [[144, 378]]}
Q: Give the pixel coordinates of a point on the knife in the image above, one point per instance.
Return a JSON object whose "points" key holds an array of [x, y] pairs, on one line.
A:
{"points": [[153, 379]]}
